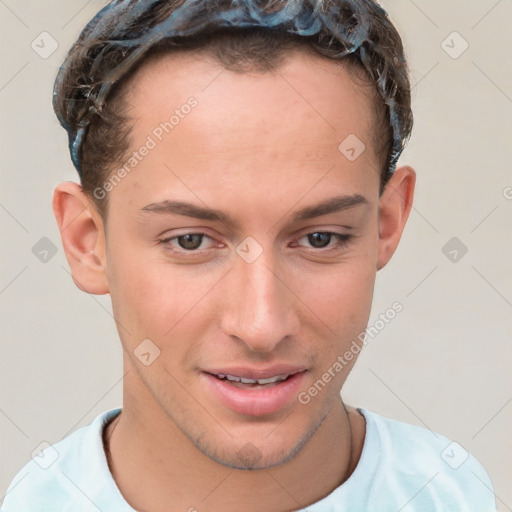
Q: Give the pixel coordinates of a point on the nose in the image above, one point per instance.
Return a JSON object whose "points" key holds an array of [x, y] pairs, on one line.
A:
{"points": [[260, 307]]}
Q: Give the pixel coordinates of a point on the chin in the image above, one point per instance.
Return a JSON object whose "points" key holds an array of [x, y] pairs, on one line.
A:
{"points": [[250, 457], [267, 450]]}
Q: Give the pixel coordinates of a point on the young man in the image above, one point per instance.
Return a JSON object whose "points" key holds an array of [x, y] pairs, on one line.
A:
{"points": [[238, 194]]}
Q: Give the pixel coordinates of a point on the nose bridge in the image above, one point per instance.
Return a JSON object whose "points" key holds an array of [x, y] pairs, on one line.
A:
{"points": [[259, 309]]}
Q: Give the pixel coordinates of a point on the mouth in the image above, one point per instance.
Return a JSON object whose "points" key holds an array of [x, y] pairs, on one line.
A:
{"points": [[245, 383], [254, 392]]}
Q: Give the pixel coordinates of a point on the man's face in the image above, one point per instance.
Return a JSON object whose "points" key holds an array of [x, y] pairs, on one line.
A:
{"points": [[272, 293]]}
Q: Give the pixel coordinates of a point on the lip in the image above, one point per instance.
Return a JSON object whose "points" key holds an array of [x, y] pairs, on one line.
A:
{"points": [[255, 401]]}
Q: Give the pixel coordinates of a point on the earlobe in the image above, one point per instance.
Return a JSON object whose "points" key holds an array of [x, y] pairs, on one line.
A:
{"points": [[394, 208], [83, 239]]}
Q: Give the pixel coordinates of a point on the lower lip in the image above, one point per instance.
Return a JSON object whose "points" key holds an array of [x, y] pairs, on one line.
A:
{"points": [[255, 401]]}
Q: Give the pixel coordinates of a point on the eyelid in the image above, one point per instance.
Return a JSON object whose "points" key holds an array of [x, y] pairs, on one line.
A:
{"points": [[336, 228], [333, 229]]}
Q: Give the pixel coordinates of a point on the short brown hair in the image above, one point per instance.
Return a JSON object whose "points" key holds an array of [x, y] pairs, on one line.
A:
{"points": [[242, 35]]}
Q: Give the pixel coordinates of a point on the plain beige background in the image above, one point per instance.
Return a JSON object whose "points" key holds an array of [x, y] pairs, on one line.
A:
{"points": [[442, 363]]}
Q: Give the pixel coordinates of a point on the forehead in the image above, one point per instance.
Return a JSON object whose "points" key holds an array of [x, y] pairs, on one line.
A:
{"points": [[247, 131], [312, 88]]}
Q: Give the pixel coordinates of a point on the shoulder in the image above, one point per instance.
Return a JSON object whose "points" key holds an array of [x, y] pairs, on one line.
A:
{"points": [[58, 475], [441, 471]]}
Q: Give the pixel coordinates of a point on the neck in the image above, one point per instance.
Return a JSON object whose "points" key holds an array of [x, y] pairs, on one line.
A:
{"points": [[155, 466]]}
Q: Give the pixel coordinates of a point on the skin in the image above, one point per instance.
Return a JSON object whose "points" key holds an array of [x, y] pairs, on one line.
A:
{"points": [[259, 150]]}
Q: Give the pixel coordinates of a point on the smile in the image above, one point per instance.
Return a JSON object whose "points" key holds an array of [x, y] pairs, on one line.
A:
{"points": [[254, 392]]}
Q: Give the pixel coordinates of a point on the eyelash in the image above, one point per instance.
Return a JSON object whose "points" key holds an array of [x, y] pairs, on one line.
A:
{"points": [[344, 241]]}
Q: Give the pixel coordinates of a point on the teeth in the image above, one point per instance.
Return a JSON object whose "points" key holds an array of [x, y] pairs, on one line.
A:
{"points": [[243, 380], [272, 379]]}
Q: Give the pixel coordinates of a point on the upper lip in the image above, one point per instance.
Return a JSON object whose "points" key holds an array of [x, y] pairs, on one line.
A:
{"points": [[247, 372]]}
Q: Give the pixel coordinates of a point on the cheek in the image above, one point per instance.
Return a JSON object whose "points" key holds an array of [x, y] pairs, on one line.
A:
{"points": [[153, 299], [340, 296], [341, 303]]}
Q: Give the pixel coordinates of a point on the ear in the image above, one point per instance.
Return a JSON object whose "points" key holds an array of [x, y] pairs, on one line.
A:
{"points": [[83, 239], [394, 208]]}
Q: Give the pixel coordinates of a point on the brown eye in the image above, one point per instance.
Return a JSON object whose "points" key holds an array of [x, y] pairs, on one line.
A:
{"points": [[190, 241], [324, 240], [319, 240], [189, 244]]}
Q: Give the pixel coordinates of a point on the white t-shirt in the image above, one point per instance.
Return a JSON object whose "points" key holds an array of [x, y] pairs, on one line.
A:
{"points": [[402, 468]]}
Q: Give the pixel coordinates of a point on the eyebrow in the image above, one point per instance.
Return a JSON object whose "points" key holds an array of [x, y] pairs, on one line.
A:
{"points": [[332, 205]]}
